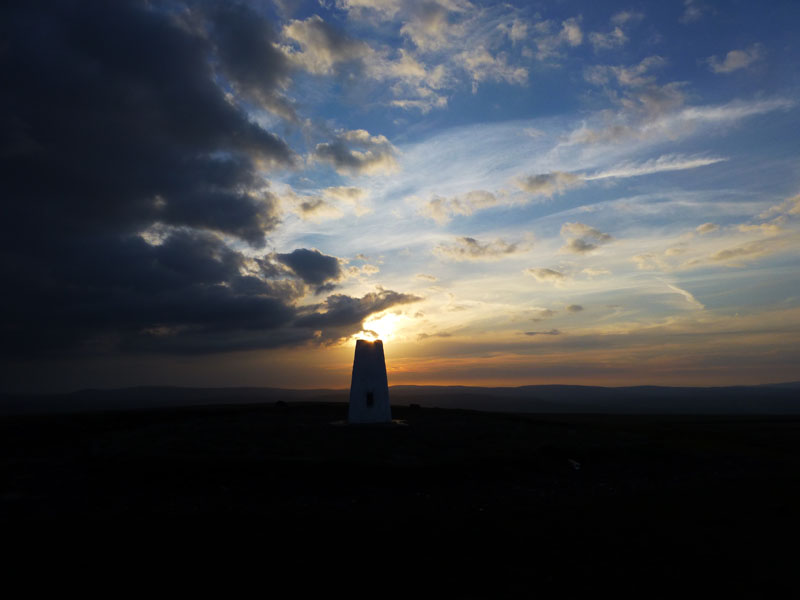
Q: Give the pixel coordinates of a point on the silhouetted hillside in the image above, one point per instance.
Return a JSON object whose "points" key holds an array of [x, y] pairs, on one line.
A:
{"points": [[773, 399], [487, 504]]}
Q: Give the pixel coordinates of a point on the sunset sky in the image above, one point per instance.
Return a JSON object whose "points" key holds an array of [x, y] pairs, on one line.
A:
{"points": [[229, 194]]}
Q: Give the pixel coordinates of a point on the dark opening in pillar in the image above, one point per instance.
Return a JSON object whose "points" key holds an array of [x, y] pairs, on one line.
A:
{"points": [[370, 398]]}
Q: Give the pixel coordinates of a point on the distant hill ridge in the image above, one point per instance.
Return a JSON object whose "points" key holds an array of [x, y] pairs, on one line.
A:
{"points": [[768, 399]]}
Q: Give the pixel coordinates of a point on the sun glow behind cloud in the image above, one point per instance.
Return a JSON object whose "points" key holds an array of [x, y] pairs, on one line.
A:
{"points": [[382, 327]]}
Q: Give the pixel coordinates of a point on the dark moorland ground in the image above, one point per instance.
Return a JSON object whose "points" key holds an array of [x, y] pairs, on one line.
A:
{"points": [[482, 504]]}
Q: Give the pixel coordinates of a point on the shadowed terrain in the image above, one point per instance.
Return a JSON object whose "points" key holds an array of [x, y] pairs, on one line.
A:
{"points": [[549, 502]]}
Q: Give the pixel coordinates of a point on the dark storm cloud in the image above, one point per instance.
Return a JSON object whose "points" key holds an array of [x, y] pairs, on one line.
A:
{"points": [[312, 266], [121, 291], [121, 124], [245, 45], [124, 168]]}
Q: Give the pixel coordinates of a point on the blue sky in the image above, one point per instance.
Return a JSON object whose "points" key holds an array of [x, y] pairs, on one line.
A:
{"points": [[637, 160], [506, 193]]}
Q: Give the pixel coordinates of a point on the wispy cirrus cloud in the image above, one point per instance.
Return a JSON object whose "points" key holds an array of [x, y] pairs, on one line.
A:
{"points": [[687, 295], [558, 182], [667, 162]]}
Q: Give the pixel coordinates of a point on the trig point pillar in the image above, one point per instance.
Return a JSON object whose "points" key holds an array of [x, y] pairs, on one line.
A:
{"points": [[369, 388]]}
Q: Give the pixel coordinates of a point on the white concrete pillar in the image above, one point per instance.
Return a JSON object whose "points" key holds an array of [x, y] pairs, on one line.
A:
{"points": [[369, 388]]}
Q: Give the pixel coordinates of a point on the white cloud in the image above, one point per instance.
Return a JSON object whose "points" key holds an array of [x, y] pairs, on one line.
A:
{"points": [[457, 34], [772, 228], [790, 206], [310, 208], [467, 248], [386, 8], [482, 66], [643, 102], [626, 16], [616, 37], [429, 26], [749, 250], [321, 47], [357, 152], [637, 75], [416, 86], [516, 32], [548, 184], [736, 59], [317, 209], [582, 238], [649, 262], [659, 116], [543, 275], [442, 210], [594, 272], [706, 228], [354, 197], [422, 105], [603, 41], [549, 43], [693, 11], [571, 32], [366, 270]]}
